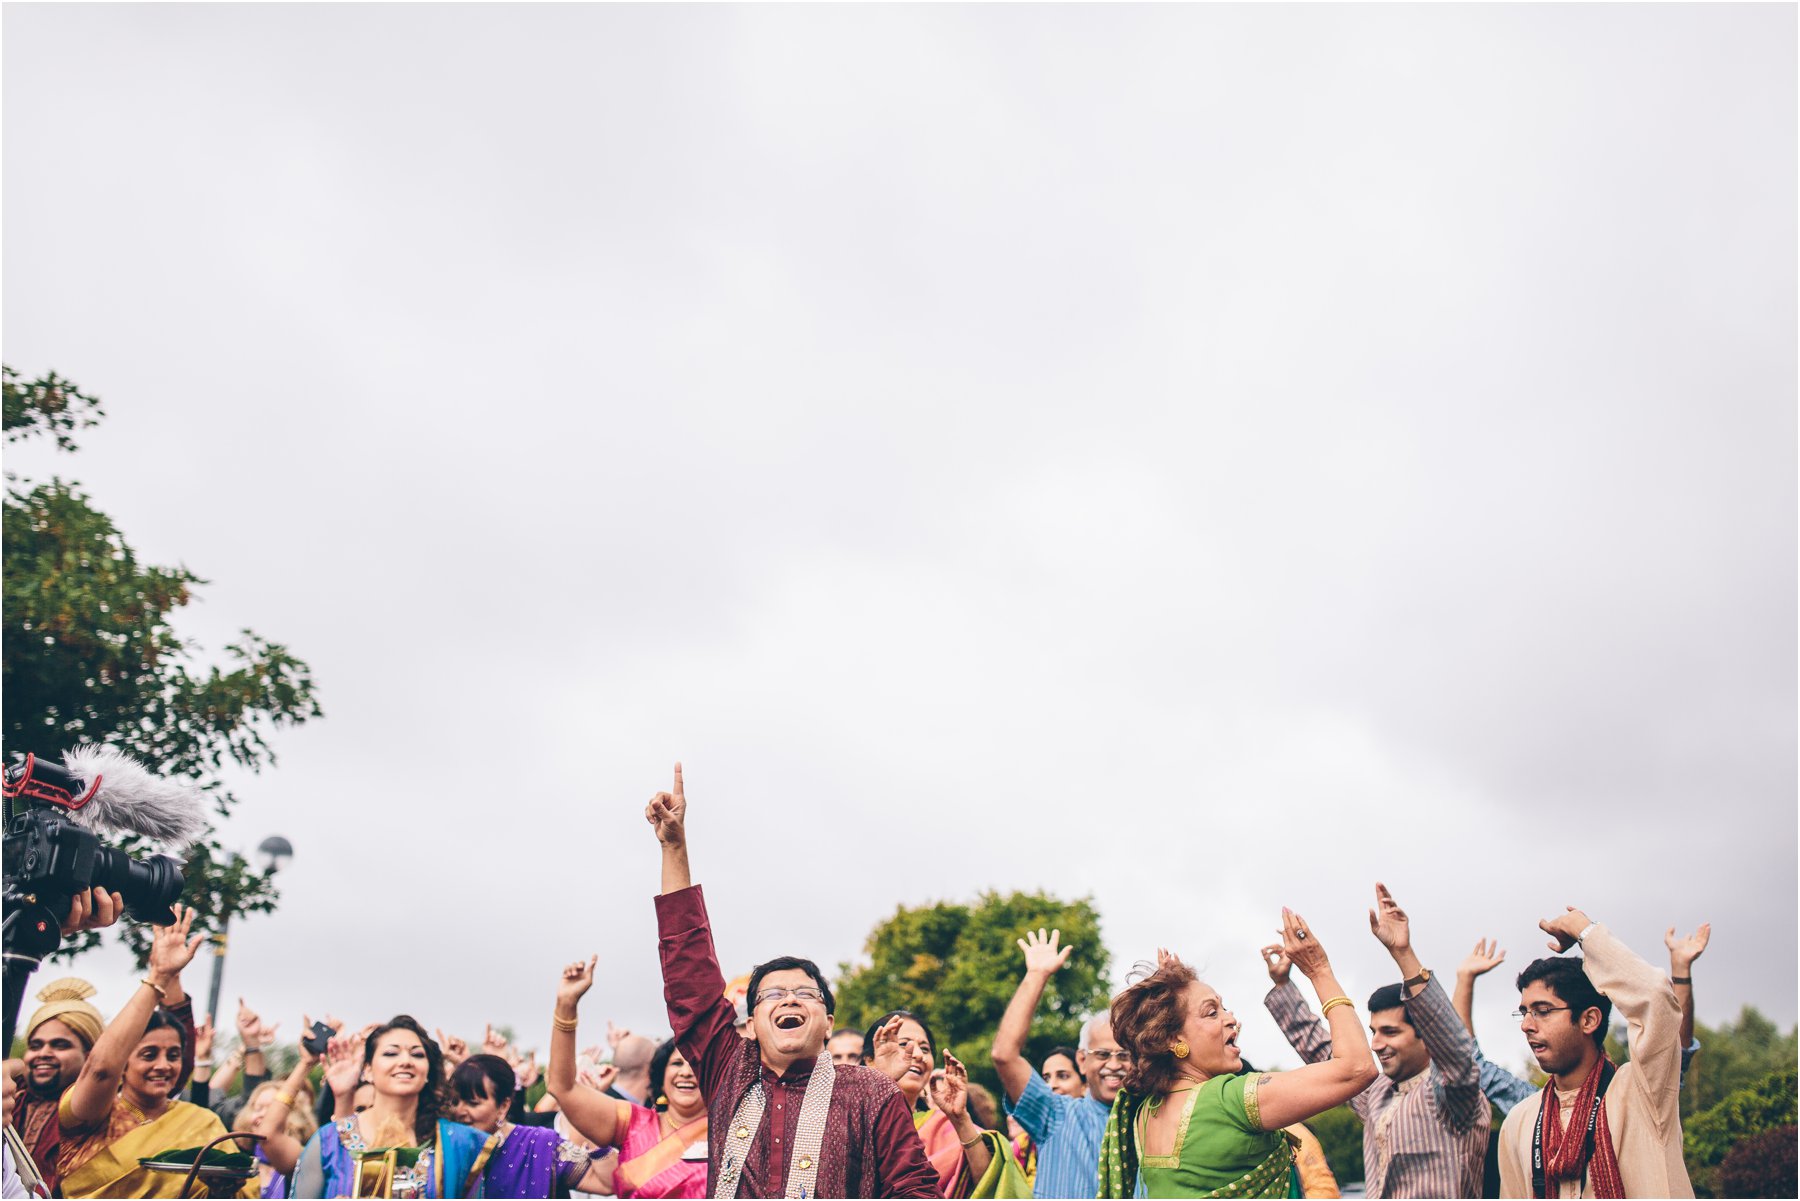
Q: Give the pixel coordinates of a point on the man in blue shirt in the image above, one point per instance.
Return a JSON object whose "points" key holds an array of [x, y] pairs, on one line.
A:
{"points": [[1067, 1130]]}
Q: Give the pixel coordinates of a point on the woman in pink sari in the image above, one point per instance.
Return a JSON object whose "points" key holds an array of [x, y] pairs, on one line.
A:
{"points": [[662, 1151]]}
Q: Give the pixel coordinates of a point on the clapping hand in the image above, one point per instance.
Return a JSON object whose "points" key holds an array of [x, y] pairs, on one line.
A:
{"points": [[667, 814], [1486, 956], [1041, 952]]}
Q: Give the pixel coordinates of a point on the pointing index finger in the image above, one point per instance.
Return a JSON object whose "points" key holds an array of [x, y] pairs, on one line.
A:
{"points": [[679, 795]]}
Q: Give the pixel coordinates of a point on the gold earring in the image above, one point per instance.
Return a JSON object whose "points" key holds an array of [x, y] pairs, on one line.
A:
{"points": [[1180, 1048]]}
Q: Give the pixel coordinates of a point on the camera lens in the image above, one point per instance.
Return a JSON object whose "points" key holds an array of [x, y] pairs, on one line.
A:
{"points": [[149, 887]]}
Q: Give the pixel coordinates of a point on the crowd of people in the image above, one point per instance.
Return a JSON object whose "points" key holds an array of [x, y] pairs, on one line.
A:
{"points": [[769, 1098]]}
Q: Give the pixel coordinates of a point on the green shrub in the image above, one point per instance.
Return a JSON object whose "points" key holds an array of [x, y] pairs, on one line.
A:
{"points": [[1340, 1135], [1769, 1104]]}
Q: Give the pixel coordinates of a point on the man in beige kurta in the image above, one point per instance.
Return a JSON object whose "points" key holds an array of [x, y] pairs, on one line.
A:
{"points": [[1643, 1103]]}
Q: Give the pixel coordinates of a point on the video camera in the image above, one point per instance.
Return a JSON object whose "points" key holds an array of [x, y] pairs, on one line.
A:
{"points": [[52, 851]]}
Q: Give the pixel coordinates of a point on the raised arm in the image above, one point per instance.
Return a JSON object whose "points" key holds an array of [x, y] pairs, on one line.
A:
{"points": [[90, 1099], [1643, 996], [592, 1113], [1682, 953], [1455, 1077], [1485, 957], [343, 1071], [667, 814], [281, 1148], [1042, 959], [1284, 1098]]}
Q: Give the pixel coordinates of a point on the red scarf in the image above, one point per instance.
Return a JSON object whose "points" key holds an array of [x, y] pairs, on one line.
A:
{"points": [[1563, 1147]]}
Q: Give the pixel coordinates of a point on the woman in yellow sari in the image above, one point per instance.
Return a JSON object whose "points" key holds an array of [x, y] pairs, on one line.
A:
{"points": [[118, 1110]]}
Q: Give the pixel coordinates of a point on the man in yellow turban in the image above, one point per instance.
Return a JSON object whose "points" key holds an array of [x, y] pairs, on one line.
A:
{"points": [[57, 1041]]}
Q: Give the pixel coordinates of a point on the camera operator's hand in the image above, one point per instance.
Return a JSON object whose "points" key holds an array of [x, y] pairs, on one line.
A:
{"points": [[94, 909], [171, 949]]}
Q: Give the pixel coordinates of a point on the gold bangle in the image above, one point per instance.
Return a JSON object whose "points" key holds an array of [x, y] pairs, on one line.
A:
{"points": [[562, 1023], [154, 987], [1326, 1008], [973, 1141], [286, 1098]]}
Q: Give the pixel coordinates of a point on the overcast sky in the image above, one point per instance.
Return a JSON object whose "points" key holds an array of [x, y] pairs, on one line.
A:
{"points": [[1204, 458]]}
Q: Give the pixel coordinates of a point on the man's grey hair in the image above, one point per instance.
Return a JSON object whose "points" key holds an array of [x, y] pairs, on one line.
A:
{"points": [[1103, 1018]]}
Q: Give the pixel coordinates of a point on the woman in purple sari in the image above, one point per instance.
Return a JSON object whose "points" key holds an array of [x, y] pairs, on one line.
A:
{"points": [[518, 1161]]}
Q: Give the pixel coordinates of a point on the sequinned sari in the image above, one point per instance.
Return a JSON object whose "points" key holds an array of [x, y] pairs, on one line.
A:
{"points": [[1221, 1149]]}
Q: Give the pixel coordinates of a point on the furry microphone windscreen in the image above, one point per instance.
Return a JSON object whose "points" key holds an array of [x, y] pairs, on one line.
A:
{"points": [[133, 801]]}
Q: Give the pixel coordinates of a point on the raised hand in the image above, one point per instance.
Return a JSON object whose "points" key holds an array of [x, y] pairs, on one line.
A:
{"points": [[614, 1034], [667, 814], [1165, 958], [1562, 930], [600, 1079], [1683, 951], [1278, 963], [203, 1041], [454, 1049], [888, 1057], [1041, 952], [344, 1062], [494, 1043], [1387, 921], [950, 1092], [1301, 945], [171, 949], [527, 1074], [1486, 956], [577, 978], [94, 909], [247, 1022]]}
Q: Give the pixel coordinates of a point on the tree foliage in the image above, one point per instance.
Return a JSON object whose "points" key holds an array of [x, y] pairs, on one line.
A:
{"points": [[1768, 1104], [1340, 1135], [91, 655], [957, 965]]}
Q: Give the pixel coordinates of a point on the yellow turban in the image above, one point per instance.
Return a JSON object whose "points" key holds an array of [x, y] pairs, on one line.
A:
{"points": [[66, 1001]]}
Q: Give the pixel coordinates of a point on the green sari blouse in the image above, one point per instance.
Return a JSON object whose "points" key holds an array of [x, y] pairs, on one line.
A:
{"points": [[1221, 1149]]}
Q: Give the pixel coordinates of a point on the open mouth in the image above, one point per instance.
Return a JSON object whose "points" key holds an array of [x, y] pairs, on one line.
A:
{"points": [[789, 1021]]}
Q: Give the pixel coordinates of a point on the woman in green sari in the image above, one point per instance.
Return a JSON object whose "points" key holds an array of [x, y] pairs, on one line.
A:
{"points": [[1189, 1118]]}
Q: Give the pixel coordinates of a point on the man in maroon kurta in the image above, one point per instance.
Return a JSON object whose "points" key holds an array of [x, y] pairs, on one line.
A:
{"points": [[871, 1146]]}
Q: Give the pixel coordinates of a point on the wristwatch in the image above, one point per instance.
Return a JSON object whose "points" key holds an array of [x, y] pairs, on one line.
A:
{"points": [[1418, 980]]}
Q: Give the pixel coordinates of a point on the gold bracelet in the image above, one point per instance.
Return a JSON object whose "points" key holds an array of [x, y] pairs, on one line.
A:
{"points": [[286, 1098], [562, 1023], [973, 1141], [1327, 1006], [153, 987]]}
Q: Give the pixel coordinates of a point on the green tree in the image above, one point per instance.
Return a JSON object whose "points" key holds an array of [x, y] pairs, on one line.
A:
{"points": [[1768, 1104], [1340, 1135], [1733, 1056], [91, 656], [957, 965]]}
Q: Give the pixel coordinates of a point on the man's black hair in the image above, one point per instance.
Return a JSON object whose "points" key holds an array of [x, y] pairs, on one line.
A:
{"points": [[1564, 976], [1390, 996], [786, 963], [483, 1077]]}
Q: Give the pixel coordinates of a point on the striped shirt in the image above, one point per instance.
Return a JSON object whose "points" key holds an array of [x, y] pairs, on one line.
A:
{"points": [[1423, 1137], [1067, 1131]]}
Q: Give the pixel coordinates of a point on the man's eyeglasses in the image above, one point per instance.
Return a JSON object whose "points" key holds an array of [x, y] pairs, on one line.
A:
{"points": [[1109, 1056], [781, 994], [1539, 1011]]}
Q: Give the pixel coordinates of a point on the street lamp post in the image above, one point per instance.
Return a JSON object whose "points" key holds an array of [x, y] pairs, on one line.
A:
{"points": [[275, 851]]}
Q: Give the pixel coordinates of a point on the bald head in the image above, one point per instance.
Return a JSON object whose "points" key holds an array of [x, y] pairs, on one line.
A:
{"points": [[632, 1058]]}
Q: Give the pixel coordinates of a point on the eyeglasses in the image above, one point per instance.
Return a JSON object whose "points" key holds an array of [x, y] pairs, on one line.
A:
{"points": [[1540, 1011], [1109, 1056], [781, 994]]}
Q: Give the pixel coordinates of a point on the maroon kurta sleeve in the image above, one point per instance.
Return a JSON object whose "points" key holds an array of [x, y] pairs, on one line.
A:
{"points": [[901, 1168], [703, 1021]]}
